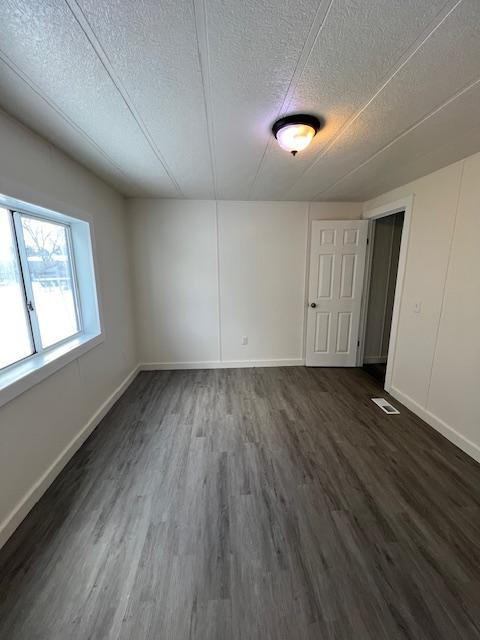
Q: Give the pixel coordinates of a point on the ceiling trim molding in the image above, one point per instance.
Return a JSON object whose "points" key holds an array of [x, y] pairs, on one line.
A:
{"points": [[92, 38], [407, 55], [203, 50], [36, 89], [399, 137]]}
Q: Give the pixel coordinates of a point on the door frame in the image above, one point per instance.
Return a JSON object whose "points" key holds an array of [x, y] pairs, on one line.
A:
{"points": [[397, 206]]}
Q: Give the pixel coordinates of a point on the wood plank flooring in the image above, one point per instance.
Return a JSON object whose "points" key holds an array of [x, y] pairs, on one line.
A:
{"points": [[251, 504]]}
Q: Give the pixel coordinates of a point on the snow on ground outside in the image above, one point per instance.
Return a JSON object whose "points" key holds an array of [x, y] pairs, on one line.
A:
{"points": [[56, 314]]}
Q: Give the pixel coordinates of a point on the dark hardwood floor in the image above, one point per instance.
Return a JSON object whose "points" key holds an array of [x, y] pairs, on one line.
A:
{"points": [[251, 504], [377, 370]]}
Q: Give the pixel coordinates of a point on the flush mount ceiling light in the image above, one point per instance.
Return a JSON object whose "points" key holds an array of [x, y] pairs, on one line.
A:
{"points": [[294, 133]]}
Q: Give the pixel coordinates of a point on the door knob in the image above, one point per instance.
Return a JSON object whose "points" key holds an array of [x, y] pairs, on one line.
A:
{"points": [[313, 305]]}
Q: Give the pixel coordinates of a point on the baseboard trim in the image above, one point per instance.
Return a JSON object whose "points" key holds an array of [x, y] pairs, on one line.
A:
{"points": [[217, 364], [17, 515], [463, 443]]}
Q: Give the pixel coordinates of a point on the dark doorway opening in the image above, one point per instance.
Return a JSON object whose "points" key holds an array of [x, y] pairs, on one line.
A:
{"points": [[387, 238]]}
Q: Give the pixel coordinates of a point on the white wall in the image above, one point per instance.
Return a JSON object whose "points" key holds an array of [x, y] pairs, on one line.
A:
{"points": [[262, 279], [176, 290], [437, 357], [51, 419], [209, 273]]}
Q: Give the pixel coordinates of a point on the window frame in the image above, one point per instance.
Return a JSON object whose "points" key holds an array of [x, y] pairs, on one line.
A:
{"points": [[17, 215], [26, 313], [19, 376]]}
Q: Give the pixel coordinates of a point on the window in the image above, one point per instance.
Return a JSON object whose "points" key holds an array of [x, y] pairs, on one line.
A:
{"points": [[38, 294], [48, 300], [48, 251], [15, 336]]}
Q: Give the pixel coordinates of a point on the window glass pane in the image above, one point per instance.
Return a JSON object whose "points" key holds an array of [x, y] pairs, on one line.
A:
{"points": [[15, 342], [49, 263]]}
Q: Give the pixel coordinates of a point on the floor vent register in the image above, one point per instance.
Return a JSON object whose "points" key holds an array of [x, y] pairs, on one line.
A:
{"points": [[385, 405]]}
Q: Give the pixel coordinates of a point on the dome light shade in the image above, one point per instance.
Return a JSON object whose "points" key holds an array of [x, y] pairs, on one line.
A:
{"points": [[294, 133]]}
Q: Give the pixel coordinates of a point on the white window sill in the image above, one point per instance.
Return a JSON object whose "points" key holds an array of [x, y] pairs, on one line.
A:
{"points": [[20, 377]]}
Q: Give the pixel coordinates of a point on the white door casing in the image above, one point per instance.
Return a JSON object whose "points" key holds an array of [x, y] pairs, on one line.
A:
{"points": [[337, 265]]}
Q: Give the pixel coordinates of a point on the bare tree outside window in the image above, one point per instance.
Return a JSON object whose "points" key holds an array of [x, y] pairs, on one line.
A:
{"points": [[49, 263]]}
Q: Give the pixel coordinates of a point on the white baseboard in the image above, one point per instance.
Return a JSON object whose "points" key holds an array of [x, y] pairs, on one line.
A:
{"points": [[15, 517], [463, 443], [375, 359], [217, 364]]}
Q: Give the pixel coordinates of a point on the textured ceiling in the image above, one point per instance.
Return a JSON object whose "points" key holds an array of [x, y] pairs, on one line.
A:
{"points": [[175, 98]]}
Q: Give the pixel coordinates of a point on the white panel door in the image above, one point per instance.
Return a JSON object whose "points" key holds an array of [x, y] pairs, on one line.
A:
{"points": [[337, 265]]}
